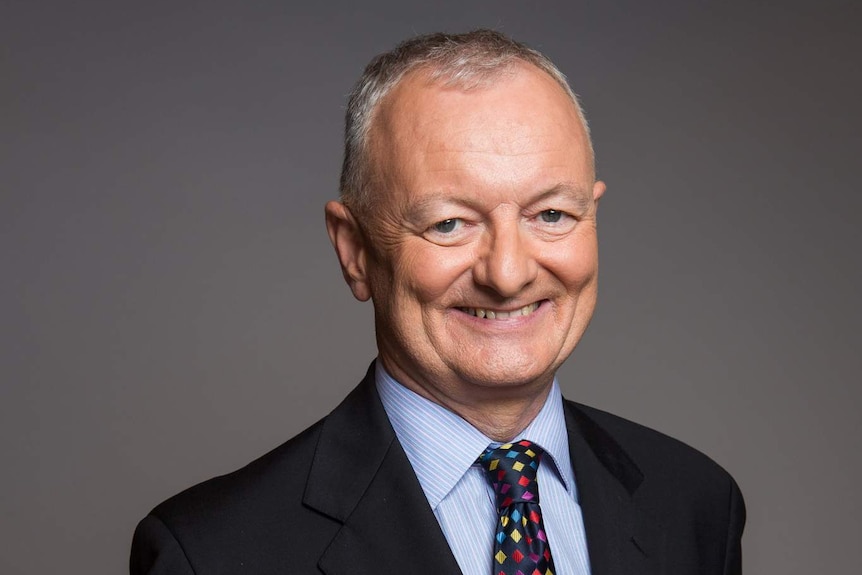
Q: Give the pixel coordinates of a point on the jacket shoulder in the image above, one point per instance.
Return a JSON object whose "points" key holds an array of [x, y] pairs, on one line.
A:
{"points": [[651, 450], [270, 472], [243, 520], [692, 509]]}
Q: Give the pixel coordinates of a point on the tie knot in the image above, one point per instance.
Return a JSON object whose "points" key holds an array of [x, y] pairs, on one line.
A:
{"points": [[511, 470]]}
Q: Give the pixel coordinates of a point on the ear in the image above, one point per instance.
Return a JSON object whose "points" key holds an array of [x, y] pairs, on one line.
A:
{"points": [[349, 244], [598, 191]]}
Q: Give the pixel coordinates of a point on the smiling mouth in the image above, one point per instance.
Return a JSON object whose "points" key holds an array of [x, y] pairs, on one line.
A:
{"points": [[496, 314]]}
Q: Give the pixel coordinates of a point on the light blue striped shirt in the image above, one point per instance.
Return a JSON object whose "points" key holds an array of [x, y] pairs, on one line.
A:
{"points": [[459, 494]]}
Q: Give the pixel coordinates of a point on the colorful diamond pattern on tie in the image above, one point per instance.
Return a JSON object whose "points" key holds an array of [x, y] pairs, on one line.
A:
{"points": [[520, 544]]}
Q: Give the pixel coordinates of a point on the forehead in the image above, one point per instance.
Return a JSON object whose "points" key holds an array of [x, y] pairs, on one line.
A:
{"points": [[519, 122], [517, 92]]}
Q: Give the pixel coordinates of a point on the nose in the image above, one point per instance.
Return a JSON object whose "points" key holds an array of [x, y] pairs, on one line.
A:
{"points": [[506, 263]]}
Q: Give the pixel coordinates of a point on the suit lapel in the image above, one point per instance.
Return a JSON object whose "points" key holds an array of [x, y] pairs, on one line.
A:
{"points": [[362, 478], [618, 536]]}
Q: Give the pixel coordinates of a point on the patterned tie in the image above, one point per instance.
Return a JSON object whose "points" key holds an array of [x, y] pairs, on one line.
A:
{"points": [[520, 544]]}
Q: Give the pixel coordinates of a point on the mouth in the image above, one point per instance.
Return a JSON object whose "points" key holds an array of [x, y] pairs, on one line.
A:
{"points": [[487, 313]]}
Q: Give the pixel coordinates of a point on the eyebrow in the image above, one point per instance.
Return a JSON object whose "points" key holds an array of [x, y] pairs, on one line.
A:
{"points": [[582, 196], [579, 194]]}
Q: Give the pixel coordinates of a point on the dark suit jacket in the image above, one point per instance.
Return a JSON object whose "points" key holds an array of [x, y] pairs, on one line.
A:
{"points": [[342, 498]]}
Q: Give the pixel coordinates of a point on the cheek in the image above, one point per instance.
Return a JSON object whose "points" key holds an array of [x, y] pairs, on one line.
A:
{"points": [[432, 272], [576, 264]]}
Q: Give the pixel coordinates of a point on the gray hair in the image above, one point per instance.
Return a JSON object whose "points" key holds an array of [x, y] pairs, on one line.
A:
{"points": [[463, 60]]}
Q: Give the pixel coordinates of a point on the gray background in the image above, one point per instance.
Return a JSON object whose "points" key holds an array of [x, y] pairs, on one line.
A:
{"points": [[171, 307]]}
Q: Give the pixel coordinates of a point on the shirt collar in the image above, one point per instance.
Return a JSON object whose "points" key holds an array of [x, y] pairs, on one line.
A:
{"points": [[429, 433]]}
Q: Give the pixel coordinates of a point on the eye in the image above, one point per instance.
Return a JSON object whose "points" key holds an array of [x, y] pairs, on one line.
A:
{"points": [[551, 216], [450, 232], [553, 222], [448, 226]]}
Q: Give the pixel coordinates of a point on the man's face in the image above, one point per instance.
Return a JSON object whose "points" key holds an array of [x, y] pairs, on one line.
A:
{"points": [[479, 252]]}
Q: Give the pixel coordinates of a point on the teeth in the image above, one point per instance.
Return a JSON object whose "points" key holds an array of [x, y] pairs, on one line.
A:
{"points": [[491, 314]]}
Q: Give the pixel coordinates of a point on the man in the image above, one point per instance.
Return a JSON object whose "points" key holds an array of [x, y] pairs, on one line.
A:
{"points": [[468, 217]]}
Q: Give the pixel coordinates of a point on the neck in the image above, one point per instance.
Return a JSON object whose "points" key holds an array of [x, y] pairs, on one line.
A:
{"points": [[504, 422]]}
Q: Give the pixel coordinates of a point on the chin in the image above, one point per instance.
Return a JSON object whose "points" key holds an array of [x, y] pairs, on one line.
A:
{"points": [[508, 374]]}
